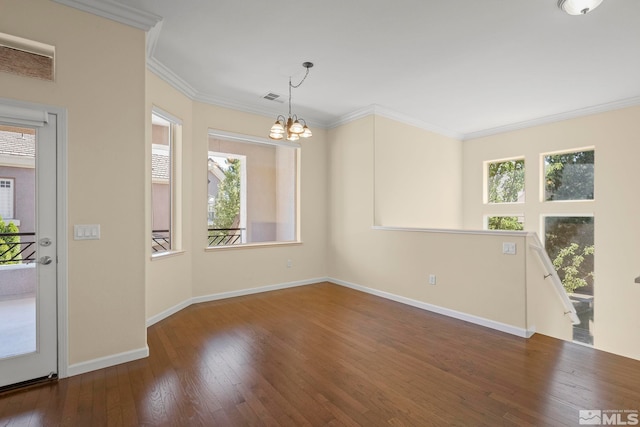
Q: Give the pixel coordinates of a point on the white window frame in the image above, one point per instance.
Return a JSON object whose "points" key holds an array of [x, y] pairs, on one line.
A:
{"points": [[175, 183], [541, 196], [231, 136], [500, 209], [485, 181]]}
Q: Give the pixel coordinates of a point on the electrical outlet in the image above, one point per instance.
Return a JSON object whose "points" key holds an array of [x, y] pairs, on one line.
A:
{"points": [[289, 263], [432, 279]]}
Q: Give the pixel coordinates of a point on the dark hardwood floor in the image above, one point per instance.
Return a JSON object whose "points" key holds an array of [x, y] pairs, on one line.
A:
{"points": [[326, 355]]}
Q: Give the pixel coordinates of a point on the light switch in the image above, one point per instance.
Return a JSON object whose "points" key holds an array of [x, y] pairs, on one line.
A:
{"points": [[509, 248], [86, 232]]}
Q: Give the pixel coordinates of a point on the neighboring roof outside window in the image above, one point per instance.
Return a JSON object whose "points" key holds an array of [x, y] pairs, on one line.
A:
{"points": [[17, 144], [160, 165]]}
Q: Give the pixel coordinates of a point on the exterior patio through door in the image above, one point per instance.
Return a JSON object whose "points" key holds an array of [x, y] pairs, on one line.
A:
{"points": [[28, 245]]}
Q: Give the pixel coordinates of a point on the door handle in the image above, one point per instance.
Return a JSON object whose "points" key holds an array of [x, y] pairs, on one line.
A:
{"points": [[45, 260]]}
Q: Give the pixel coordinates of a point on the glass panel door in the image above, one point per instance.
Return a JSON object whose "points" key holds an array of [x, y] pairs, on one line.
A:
{"points": [[28, 250], [17, 234]]}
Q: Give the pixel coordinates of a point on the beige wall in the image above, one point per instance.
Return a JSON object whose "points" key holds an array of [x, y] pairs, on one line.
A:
{"points": [[196, 272], [168, 277], [406, 157], [232, 269], [100, 80], [616, 207], [101, 77], [472, 274]]}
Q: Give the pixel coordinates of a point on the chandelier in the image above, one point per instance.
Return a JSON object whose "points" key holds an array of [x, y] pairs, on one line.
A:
{"points": [[578, 7], [292, 127]]}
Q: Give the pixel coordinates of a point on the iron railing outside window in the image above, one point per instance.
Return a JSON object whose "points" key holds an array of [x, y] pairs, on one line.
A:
{"points": [[17, 248], [161, 239]]}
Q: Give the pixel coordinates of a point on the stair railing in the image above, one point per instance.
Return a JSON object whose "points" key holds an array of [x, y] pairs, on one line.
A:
{"points": [[552, 275]]}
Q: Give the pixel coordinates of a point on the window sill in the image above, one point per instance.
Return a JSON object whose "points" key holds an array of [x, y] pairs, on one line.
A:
{"points": [[167, 254], [251, 245]]}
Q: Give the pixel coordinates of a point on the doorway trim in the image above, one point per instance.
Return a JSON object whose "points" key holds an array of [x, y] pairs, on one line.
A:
{"points": [[41, 110]]}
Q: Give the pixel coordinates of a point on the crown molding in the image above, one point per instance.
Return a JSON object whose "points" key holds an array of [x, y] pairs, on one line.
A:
{"points": [[412, 121], [118, 12], [152, 39], [353, 116], [398, 117], [186, 89], [233, 105], [171, 78], [601, 108], [190, 92]]}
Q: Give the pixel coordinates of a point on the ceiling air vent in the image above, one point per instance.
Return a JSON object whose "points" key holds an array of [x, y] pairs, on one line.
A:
{"points": [[273, 97]]}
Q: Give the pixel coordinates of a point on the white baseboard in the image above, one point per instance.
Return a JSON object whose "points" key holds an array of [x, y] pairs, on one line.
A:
{"points": [[231, 294], [168, 312], [107, 361], [503, 327], [243, 292], [116, 359]]}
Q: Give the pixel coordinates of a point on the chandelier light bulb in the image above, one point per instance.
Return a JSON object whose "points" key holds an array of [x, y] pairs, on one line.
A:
{"points": [[296, 128], [277, 127]]}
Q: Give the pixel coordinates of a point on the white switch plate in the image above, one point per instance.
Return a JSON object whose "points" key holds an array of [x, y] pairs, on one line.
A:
{"points": [[86, 232], [432, 279], [509, 248]]}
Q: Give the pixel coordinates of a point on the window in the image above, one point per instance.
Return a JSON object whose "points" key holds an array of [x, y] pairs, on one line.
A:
{"points": [[515, 223], [504, 185], [569, 176], [6, 198], [569, 241], [505, 181], [165, 178], [252, 190], [563, 176]]}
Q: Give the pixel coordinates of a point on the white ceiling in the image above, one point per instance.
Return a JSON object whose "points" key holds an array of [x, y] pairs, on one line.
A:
{"points": [[460, 67]]}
